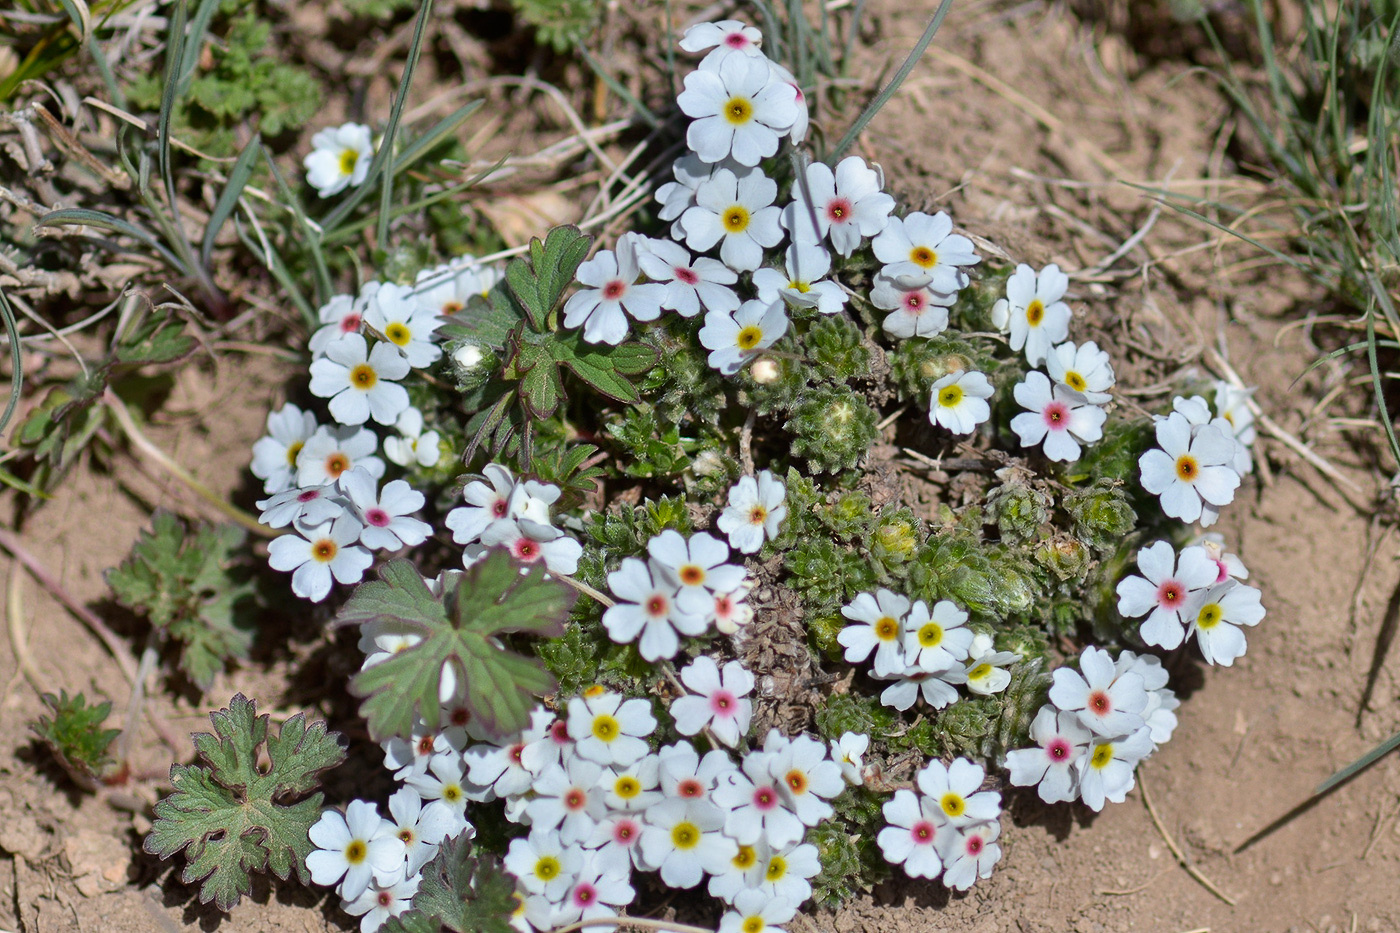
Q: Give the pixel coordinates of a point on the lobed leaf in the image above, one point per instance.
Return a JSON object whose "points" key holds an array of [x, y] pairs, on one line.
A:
{"points": [[539, 283]]}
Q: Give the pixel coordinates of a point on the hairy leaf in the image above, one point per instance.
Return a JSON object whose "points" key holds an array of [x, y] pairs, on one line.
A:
{"points": [[234, 817], [464, 629], [75, 736], [539, 282], [464, 892], [157, 339]]}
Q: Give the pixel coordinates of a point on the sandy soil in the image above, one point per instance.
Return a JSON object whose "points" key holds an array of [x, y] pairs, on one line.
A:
{"points": [[1018, 122]]}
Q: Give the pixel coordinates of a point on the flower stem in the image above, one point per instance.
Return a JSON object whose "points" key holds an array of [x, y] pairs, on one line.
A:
{"points": [[144, 444]]}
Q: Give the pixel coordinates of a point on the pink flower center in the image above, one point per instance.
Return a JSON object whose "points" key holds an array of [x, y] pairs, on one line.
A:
{"points": [[308, 494], [722, 703], [800, 98], [525, 550], [514, 756], [350, 324], [974, 845], [1056, 416], [657, 605], [625, 832], [839, 210], [377, 517], [922, 833], [736, 40], [1224, 572], [614, 290], [585, 894], [724, 607], [499, 508], [384, 898], [1099, 704], [915, 302], [1171, 594], [576, 799], [1058, 750], [685, 274], [559, 732], [690, 788], [765, 798]]}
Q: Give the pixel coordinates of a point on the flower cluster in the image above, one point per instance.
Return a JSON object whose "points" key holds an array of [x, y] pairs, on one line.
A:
{"points": [[948, 828], [1199, 460], [503, 511]]}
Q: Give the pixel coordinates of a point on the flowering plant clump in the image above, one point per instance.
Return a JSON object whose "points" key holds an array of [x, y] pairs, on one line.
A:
{"points": [[754, 665]]}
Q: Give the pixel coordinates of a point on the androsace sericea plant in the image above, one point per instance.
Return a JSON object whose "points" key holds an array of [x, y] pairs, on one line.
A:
{"points": [[750, 668]]}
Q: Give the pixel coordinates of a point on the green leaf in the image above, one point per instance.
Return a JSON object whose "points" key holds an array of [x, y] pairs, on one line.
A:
{"points": [[539, 282], [541, 390], [234, 817], [488, 322], [157, 339], [74, 734], [464, 629], [464, 892]]}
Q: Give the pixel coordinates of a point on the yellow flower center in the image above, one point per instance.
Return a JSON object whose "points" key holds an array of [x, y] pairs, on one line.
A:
{"points": [[337, 464], [685, 835], [1187, 469], [886, 628], [324, 550], [796, 781], [363, 377], [692, 574], [596, 690], [1209, 616], [452, 793], [1035, 313], [950, 396], [1103, 754], [547, 868], [953, 804], [745, 859], [923, 256], [627, 787], [930, 635], [979, 672], [749, 337], [758, 515], [349, 158], [398, 334], [753, 924], [293, 449], [777, 868], [606, 728], [735, 219], [800, 287], [737, 110], [1075, 381], [356, 852]]}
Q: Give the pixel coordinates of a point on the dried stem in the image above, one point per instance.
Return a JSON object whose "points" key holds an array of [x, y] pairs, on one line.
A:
{"points": [[641, 923], [1181, 858]]}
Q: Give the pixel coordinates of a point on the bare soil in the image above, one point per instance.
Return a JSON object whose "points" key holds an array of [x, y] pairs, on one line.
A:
{"points": [[1023, 121]]}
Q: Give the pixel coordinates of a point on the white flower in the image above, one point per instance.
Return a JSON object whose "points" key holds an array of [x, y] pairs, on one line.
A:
{"points": [[406, 323], [385, 513], [697, 567], [918, 311], [1232, 404], [360, 382], [339, 158], [446, 289], [609, 729], [955, 788], [413, 445], [1188, 470], [958, 401], [355, 849], [543, 863], [737, 212], [316, 553], [568, 798], [1164, 591], [756, 912], [1107, 704], [726, 37], [936, 687], [800, 287], [798, 132], [333, 450], [1052, 764], [603, 309], [1229, 564], [380, 902], [419, 828], [915, 826], [756, 510], [595, 893], [985, 674], [275, 455], [1033, 312], [756, 808], [313, 505], [846, 205], [412, 756], [684, 840], [846, 752], [648, 606], [738, 109], [632, 789], [616, 842], [689, 283], [805, 775], [502, 767], [676, 196], [730, 612], [487, 505], [340, 316], [879, 626], [547, 741], [734, 340], [923, 245], [934, 641], [445, 785], [1106, 768], [969, 853], [687, 776], [784, 871], [1161, 701], [1219, 613], [1059, 417], [1085, 368], [528, 542], [718, 701]]}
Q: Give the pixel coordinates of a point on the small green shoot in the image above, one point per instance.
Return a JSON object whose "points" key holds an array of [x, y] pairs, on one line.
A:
{"points": [[246, 808], [465, 629], [73, 733]]}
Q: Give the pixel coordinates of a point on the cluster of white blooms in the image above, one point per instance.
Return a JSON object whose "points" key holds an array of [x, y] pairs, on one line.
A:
{"points": [[925, 652], [1200, 458], [948, 828], [1100, 722], [323, 480], [503, 511]]}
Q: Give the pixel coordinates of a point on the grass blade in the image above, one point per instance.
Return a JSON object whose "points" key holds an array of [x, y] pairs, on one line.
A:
{"points": [[199, 27], [884, 96], [314, 238], [639, 108], [228, 199], [420, 146], [83, 217], [16, 361], [1360, 764]]}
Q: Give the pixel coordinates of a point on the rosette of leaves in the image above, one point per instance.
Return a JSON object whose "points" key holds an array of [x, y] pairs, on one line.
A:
{"points": [[73, 733], [181, 580], [519, 323]]}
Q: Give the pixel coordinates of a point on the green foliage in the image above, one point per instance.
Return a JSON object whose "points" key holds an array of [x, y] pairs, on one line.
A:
{"points": [[1115, 458], [1019, 510], [465, 628], [460, 891], [1101, 514], [560, 24], [377, 9], [919, 362], [180, 579], [651, 449], [234, 815], [853, 712], [837, 348], [74, 735], [842, 874], [832, 429], [584, 655]]}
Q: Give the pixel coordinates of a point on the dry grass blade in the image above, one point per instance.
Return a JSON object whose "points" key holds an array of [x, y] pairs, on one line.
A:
{"points": [[1181, 858]]}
